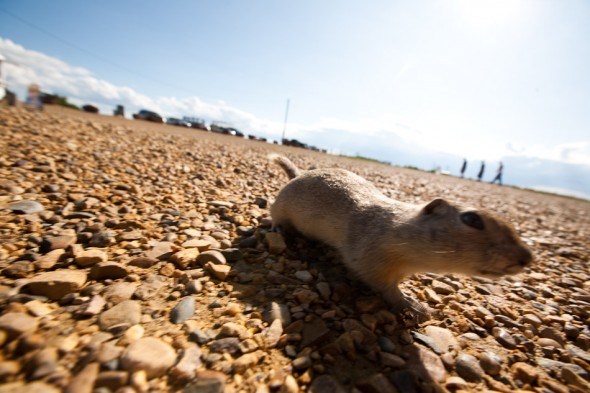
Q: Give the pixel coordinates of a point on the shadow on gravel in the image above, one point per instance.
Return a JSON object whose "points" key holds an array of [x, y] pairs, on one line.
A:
{"points": [[339, 333]]}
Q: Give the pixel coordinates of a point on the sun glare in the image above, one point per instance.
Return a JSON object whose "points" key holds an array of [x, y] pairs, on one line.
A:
{"points": [[491, 13]]}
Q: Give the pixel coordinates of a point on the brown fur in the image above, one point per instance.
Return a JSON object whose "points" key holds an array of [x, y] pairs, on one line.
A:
{"points": [[383, 240]]}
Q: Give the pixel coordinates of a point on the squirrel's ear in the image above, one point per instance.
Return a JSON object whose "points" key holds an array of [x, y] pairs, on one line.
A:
{"points": [[435, 206]]}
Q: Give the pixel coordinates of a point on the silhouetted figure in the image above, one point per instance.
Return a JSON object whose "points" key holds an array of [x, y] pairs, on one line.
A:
{"points": [[463, 168], [498, 177], [480, 174]]}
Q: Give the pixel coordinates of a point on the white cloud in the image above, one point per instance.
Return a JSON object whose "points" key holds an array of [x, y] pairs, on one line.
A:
{"points": [[571, 153], [440, 133]]}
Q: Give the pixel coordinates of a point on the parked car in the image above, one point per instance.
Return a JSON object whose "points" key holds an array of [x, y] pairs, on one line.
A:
{"points": [[222, 128], [177, 122], [195, 122], [148, 115]]}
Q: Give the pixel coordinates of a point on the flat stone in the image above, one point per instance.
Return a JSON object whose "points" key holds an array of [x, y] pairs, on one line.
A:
{"points": [[119, 292], [443, 340], [160, 250], [25, 207], [149, 354], [127, 312], [200, 244], [56, 284], [143, 262], [17, 323], [56, 242], [49, 260], [183, 310], [107, 270], [273, 333], [90, 257]]}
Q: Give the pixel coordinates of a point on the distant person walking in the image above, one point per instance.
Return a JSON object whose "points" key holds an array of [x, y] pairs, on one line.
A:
{"points": [[463, 168], [498, 177], [33, 97], [481, 170]]}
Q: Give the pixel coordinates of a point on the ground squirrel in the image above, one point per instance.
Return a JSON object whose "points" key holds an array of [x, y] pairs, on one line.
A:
{"points": [[382, 240]]}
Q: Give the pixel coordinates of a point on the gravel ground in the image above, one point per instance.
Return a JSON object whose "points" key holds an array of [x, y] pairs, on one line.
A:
{"points": [[136, 257]]}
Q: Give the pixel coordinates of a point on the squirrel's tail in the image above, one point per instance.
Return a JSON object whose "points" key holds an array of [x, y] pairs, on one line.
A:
{"points": [[290, 168]]}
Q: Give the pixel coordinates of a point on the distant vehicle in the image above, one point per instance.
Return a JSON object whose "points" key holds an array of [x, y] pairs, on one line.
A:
{"points": [[90, 108], [195, 122], [148, 115], [177, 122], [256, 138], [227, 130]]}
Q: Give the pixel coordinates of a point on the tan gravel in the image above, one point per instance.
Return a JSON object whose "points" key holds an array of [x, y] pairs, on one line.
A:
{"points": [[135, 257]]}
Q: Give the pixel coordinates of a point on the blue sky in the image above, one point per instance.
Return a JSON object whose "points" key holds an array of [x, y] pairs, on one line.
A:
{"points": [[421, 83]]}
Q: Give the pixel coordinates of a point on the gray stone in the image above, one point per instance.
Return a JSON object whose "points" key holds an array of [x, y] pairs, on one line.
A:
{"points": [[25, 207], [504, 338], [491, 363], [127, 312], [229, 345], [468, 368], [183, 310]]}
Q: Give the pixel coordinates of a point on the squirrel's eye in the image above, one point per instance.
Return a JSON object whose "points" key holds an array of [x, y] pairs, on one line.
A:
{"points": [[473, 220]]}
